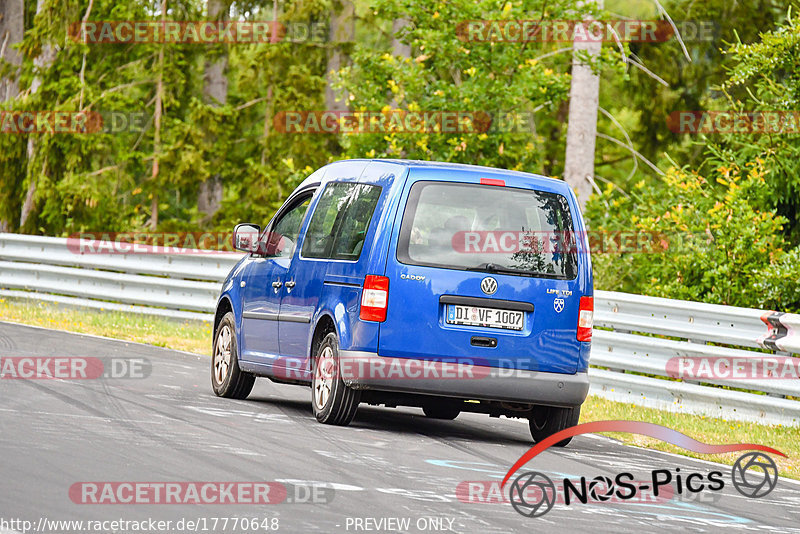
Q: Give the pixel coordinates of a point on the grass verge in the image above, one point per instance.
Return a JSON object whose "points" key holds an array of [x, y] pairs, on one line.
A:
{"points": [[190, 336], [701, 428], [195, 336]]}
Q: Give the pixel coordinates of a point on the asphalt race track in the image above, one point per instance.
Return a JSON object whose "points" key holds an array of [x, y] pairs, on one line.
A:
{"points": [[390, 468]]}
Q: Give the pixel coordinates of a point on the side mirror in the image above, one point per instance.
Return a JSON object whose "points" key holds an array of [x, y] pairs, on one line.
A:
{"points": [[245, 237]]}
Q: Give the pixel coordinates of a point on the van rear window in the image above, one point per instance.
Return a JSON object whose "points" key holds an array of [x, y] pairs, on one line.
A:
{"points": [[505, 230]]}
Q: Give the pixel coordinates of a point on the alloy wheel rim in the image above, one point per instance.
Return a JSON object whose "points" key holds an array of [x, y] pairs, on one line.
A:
{"points": [[323, 378], [222, 354]]}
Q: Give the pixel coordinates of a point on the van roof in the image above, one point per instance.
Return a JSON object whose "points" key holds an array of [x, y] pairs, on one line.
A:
{"points": [[458, 167], [464, 167]]}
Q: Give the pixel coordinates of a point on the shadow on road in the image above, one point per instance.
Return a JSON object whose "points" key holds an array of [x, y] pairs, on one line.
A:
{"points": [[471, 427], [405, 421]]}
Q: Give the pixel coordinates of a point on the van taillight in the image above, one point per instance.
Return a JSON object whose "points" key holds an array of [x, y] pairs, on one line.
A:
{"points": [[374, 298], [585, 319]]}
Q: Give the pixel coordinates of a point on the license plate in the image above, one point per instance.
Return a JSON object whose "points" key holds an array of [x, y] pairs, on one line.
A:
{"points": [[487, 317]]}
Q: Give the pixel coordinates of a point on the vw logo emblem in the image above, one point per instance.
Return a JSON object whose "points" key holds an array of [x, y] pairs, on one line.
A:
{"points": [[489, 285], [754, 475], [558, 304], [532, 494]]}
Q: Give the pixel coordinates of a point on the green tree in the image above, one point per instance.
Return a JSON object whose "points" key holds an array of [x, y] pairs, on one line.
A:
{"points": [[707, 240], [447, 72], [767, 72]]}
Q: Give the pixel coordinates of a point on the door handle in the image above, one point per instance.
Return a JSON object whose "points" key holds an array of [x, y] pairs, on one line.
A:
{"points": [[276, 285], [290, 284]]}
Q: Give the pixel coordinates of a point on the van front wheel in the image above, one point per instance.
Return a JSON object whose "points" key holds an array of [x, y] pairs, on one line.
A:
{"points": [[547, 420], [333, 401], [227, 379]]}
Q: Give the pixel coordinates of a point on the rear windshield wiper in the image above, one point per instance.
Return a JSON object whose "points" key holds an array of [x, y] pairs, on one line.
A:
{"points": [[495, 268]]}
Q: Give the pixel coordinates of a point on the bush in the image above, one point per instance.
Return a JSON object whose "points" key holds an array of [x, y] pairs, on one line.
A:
{"points": [[719, 247]]}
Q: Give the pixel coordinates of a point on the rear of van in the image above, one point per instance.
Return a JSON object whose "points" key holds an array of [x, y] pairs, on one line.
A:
{"points": [[489, 269]]}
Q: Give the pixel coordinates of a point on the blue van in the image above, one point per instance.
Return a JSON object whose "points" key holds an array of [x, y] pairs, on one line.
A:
{"points": [[442, 286]]}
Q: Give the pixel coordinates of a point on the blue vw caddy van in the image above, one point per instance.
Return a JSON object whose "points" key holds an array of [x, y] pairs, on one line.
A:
{"points": [[405, 283]]}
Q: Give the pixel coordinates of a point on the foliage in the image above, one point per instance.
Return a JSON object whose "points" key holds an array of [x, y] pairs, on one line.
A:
{"points": [[739, 204], [720, 246], [732, 223], [104, 181], [769, 71], [449, 73], [693, 81]]}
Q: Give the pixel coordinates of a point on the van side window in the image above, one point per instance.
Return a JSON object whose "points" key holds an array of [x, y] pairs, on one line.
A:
{"points": [[280, 241], [340, 221]]}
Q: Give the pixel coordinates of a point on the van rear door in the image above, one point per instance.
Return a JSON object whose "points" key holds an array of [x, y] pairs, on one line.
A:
{"points": [[487, 271]]}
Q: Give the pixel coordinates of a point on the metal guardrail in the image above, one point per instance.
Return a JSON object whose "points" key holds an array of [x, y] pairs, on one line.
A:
{"points": [[637, 341], [181, 285]]}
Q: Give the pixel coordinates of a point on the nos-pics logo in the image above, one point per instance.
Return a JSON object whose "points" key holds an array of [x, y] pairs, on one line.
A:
{"points": [[533, 494]]}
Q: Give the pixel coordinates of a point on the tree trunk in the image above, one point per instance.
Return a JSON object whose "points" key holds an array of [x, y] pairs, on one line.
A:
{"points": [[399, 48], [582, 123], [553, 156], [269, 109], [341, 31], [215, 82], [11, 31], [12, 18], [215, 93], [42, 62], [157, 129]]}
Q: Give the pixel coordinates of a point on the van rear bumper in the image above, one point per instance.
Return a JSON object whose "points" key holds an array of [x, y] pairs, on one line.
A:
{"points": [[466, 381]]}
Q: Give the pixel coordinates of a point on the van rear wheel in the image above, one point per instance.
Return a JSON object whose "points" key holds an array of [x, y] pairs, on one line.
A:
{"points": [[333, 401], [547, 420]]}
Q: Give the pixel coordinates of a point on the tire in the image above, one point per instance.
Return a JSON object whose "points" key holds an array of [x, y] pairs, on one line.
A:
{"points": [[547, 420], [334, 403], [227, 379], [441, 410]]}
